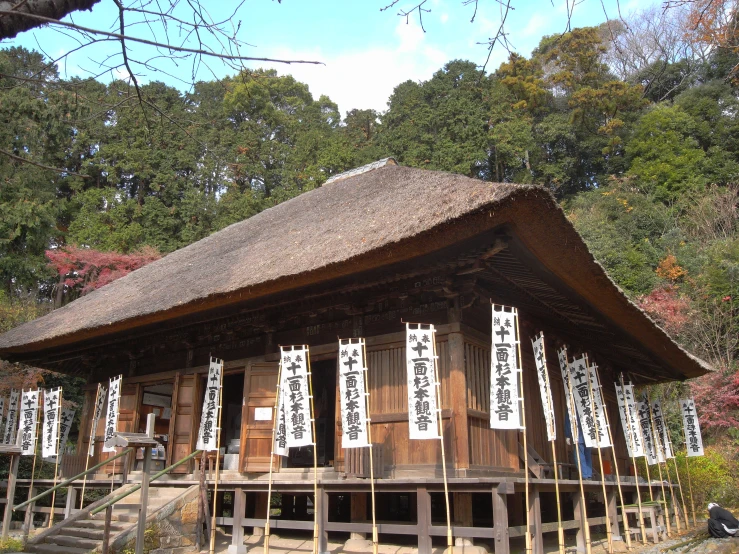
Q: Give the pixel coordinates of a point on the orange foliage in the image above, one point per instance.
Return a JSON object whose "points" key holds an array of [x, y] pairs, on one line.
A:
{"points": [[669, 269]]}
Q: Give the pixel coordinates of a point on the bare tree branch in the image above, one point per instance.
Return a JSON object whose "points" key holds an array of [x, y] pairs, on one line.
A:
{"points": [[42, 166], [157, 44]]}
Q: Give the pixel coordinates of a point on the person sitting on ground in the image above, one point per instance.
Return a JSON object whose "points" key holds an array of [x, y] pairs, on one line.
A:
{"points": [[721, 522]]}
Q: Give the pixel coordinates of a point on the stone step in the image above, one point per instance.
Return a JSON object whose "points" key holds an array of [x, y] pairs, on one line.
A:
{"points": [[74, 542], [54, 549], [85, 532], [99, 524]]}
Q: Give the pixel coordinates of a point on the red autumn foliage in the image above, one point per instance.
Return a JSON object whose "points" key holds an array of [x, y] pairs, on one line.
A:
{"points": [[667, 308], [85, 269], [717, 397]]}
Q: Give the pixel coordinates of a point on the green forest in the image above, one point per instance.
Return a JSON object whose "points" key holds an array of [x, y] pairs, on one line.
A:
{"points": [[633, 126]]}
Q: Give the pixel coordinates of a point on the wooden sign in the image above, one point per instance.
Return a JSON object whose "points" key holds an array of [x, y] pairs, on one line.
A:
{"points": [[421, 374], [12, 421]]}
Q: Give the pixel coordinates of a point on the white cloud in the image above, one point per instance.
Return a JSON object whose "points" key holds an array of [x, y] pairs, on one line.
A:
{"points": [[366, 78]]}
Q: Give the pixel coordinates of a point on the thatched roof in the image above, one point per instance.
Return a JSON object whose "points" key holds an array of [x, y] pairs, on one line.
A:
{"points": [[362, 221]]}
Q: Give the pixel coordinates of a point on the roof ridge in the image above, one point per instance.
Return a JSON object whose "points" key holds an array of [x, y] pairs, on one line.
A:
{"points": [[362, 169]]}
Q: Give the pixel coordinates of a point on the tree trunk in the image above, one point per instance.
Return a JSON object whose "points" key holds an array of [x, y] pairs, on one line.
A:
{"points": [[11, 25]]}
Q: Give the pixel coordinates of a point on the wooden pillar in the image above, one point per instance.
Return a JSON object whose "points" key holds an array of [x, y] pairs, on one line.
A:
{"points": [[612, 509], [237, 534], [322, 507], [71, 502], [260, 510], [423, 502], [578, 503], [358, 512], [535, 518], [28, 519], [500, 517], [458, 389], [12, 478], [462, 515]]}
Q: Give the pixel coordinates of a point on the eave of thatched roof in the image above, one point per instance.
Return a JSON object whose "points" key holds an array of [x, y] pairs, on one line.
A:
{"points": [[363, 221]]}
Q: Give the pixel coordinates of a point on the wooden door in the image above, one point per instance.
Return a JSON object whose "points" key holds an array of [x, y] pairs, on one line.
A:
{"points": [[260, 387], [186, 421]]}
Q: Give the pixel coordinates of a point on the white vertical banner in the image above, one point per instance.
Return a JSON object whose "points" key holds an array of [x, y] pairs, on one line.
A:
{"points": [[629, 422], [111, 416], [423, 414], [590, 414], [11, 424], [280, 447], [97, 414], [540, 358], [693, 438], [647, 432], [208, 433], [564, 367], [505, 396], [298, 425], [52, 412], [661, 430], [29, 417], [354, 417]]}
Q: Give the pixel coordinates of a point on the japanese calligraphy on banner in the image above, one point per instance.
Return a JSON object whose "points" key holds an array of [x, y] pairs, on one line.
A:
{"points": [[660, 430], [298, 425], [50, 433], [423, 416], [208, 433], [693, 439], [505, 398], [629, 421], [564, 367], [592, 415], [11, 424], [280, 446], [29, 417], [353, 398], [97, 414], [546, 392], [111, 417], [647, 433]]}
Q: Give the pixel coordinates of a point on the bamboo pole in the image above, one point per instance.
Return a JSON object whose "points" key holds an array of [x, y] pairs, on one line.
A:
{"points": [[679, 483], [609, 531], [687, 470], [90, 446], [272, 455], [375, 538], [439, 423], [550, 407], [658, 447], [690, 487], [519, 369], [631, 432], [576, 444], [58, 454], [218, 465], [315, 452], [627, 529]]}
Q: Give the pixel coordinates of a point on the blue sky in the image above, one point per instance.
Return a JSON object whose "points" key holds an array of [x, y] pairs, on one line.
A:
{"points": [[366, 52]]}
